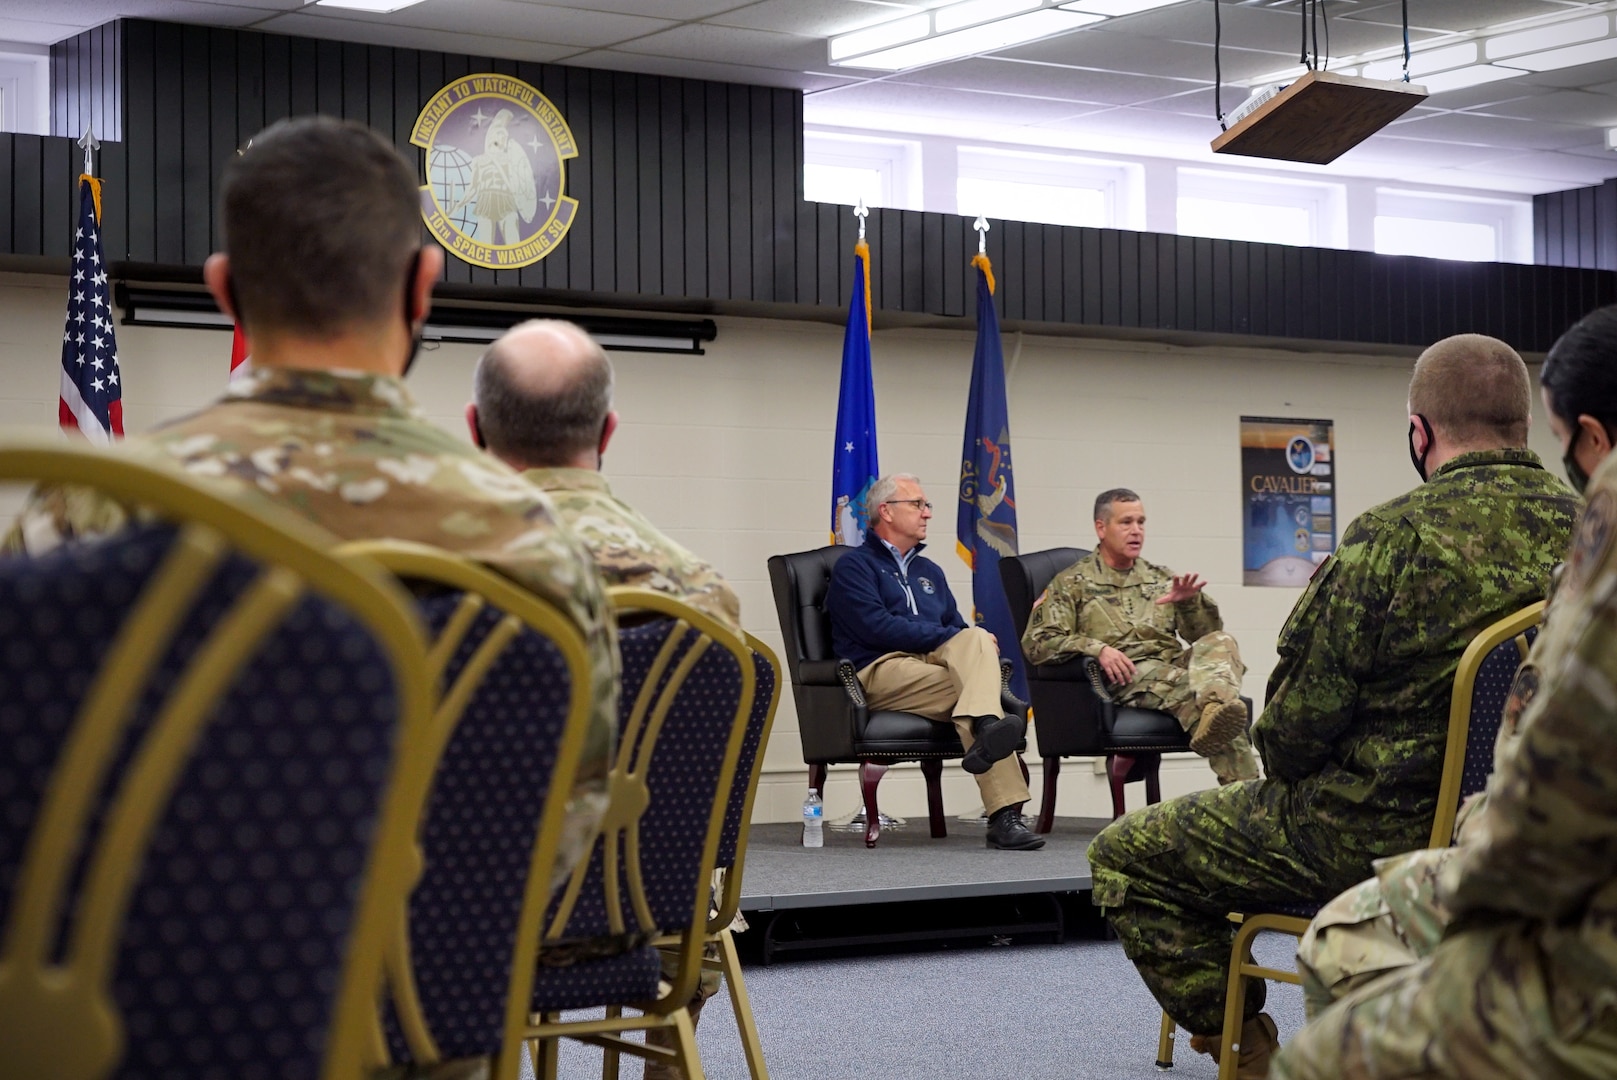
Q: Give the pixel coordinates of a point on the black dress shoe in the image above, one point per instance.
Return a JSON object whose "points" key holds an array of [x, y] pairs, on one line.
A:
{"points": [[997, 738], [1007, 830]]}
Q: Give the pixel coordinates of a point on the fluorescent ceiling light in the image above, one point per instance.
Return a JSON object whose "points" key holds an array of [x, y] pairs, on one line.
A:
{"points": [[1467, 76], [1117, 7], [959, 16], [1571, 56], [1548, 37], [883, 36], [1422, 62], [979, 39], [376, 7]]}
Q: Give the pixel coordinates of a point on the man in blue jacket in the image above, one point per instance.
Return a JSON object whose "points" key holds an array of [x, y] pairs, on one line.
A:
{"points": [[893, 617]]}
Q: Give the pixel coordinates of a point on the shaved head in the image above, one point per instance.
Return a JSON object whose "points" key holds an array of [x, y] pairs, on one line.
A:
{"points": [[1475, 390], [543, 392]]}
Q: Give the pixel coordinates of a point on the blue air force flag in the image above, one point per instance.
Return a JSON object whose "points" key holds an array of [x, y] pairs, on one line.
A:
{"points": [[853, 464], [986, 528], [92, 394]]}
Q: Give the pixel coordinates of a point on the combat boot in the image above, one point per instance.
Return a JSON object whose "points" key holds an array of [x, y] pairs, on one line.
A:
{"points": [[1259, 1040], [1220, 723]]}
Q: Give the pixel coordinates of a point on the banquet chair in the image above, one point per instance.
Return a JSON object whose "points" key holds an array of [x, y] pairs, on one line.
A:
{"points": [[204, 721], [509, 733]]}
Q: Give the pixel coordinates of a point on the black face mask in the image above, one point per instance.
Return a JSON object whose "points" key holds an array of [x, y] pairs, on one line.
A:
{"points": [[1419, 460], [410, 313], [1574, 472]]}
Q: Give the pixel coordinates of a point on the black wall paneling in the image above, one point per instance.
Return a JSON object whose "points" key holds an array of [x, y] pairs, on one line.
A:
{"points": [[1577, 227], [691, 196]]}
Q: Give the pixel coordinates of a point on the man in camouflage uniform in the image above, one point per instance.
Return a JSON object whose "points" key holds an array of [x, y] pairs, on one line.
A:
{"points": [[1519, 982], [1129, 614], [324, 267], [543, 405], [1353, 732]]}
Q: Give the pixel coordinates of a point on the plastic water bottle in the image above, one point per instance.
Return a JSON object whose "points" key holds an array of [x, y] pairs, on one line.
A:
{"points": [[813, 814]]}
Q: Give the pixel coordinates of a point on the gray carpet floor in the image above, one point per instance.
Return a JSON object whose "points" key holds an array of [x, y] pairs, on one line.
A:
{"points": [[1028, 1012]]}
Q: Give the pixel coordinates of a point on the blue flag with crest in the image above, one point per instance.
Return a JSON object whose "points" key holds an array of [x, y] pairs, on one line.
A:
{"points": [[853, 464], [986, 529]]}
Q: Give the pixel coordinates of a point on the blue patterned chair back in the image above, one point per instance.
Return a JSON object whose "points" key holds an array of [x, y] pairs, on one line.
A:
{"points": [[478, 835], [1482, 687], [699, 680], [216, 846], [510, 729], [1491, 691], [764, 700]]}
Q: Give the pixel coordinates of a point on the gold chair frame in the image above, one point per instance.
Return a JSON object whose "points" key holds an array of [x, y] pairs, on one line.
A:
{"points": [[480, 589], [620, 831], [1242, 964], [718, 934], [58, 1018]]}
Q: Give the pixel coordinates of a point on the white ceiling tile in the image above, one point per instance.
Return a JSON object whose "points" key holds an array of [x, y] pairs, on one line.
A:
{"points": [[410, 37], [814, 18], [726, 44], [678, 67], [1385, 148], [890, 97], [1575, 77], [515, 20], [1139, 124], [32, 32], [1569, 169], [678, 10], [1494, 131], [1449, 15], [1265, 29], [1562, 106], [1047, 81]]}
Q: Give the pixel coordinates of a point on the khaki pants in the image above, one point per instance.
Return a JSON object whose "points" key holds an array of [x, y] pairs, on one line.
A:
{"points": [[956, 682]]}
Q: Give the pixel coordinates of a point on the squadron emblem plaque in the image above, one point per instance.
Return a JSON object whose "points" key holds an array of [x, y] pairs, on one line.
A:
{"points": [[495, 170]]}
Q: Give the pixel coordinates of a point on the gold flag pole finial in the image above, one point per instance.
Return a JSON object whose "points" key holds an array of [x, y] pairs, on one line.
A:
{"points": [[861, 212], [90, 144], [981, 225]]}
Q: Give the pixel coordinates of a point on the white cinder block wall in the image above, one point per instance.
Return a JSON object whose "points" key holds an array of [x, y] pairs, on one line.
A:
{"points": [[730, 453]]}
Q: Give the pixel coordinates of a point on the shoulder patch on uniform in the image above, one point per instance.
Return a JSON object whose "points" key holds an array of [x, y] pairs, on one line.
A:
{"points": [[1522, 692], [1592, 541]]}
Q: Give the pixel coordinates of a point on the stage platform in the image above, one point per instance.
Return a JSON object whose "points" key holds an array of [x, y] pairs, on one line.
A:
{"points": [[907, 865]]}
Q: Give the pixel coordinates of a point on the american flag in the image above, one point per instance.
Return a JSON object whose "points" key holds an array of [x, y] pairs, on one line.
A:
{"points": [[92, 390]]}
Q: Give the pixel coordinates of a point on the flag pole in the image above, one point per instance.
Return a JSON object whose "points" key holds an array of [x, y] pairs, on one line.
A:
{"points": [[90, 144]]}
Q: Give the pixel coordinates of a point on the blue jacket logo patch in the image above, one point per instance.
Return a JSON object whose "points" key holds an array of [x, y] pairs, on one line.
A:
{"points": [[926, 585]]}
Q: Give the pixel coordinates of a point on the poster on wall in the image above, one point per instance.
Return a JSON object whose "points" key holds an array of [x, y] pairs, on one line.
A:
{"points": [[1288, 494]]}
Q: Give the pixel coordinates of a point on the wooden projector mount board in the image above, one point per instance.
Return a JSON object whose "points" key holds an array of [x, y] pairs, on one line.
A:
{"points": [[1319, 118]]}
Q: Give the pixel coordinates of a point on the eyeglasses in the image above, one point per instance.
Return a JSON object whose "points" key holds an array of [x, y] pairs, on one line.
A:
{"points": [[919, 504]]}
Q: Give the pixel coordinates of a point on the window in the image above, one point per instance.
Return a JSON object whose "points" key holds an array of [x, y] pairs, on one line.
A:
{"points": [[1049, 188], [25, 90], [1453, 226], [1262, 209], [840, 168]]}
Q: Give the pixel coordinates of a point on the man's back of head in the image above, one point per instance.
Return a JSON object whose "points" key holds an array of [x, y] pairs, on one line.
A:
{"points": [[543, 397], [322, 222], [1475, 392]]}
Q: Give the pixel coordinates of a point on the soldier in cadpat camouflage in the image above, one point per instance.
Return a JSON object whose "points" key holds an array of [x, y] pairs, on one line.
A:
{"points": [[324, 268], [1531, 878], [1129, 614], [1353, 731], [544, 406]]}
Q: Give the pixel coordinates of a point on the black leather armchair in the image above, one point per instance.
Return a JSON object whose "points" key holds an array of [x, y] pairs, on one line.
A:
{"points": [[1075, 713], [833, 720]]}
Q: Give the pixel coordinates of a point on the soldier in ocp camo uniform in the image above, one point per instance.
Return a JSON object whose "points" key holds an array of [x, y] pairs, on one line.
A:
{"points": [[1398, 918], [1130, 614], [1353, 731], [325, 270], [543, 404], [1523, 983]]}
